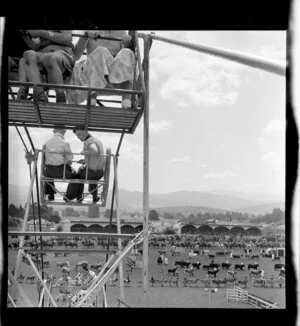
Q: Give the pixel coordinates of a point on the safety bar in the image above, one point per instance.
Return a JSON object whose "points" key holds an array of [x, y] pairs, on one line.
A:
{"points": [[102, 37], [43, 178], [114, 91]]}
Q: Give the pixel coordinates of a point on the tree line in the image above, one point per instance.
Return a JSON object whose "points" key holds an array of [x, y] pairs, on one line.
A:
{"points": [[47, 212]]}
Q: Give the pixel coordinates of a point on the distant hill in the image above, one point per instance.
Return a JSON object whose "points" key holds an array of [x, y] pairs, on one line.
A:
{"points": [[188, 200], [262, 209], [258, 197], [187, 210], [134, 200]]}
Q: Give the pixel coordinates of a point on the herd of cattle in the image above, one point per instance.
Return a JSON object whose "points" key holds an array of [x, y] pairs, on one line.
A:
{"points": [[188, 268], [191, 277]]}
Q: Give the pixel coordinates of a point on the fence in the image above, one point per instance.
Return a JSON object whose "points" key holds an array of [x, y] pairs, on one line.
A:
{"points": [[239, 295]]}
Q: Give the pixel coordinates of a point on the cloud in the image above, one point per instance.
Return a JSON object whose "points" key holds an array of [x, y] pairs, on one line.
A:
{"points": [[203, 165], [182, 159], [155, 127], [182, 104], [275, 126], [221, 175], [273, 159], [206, 86], [272, 144]]}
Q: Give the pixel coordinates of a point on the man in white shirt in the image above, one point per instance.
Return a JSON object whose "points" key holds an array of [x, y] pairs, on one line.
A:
{"points": [[57, 154], [94, 161]]}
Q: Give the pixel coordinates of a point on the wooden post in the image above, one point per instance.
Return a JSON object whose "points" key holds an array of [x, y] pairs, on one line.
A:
{"points": [[21, 238], [118, 229], [146, 165]]}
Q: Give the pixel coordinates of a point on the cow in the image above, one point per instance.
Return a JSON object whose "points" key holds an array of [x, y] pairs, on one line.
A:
{"points": [[213, 265], [58, 254], [267, 255], [239, 266], [192, 254], [172, 270], [31, 279], [190, 281], [217, 281], [182, 263], [197, 265], [21, 278], [278, 266], [254, 257], [253, 266], [231, 273], [160, 261], [259, 282], [211, 255], [244, 281], [232, 280], [225, 265], [236, 256], [60, 264], [189, 272], [214, 272], [256, 273], [46, 263]]}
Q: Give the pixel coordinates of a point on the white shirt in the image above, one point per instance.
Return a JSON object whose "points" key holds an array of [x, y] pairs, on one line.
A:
{"points": [[57, 144]]}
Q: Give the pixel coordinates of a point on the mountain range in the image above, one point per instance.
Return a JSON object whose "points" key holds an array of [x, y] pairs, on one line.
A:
{"points": [[222, 200]]}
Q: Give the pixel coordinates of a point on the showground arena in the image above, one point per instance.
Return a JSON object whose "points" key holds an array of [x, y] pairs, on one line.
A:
{"points": [[169, 288]]}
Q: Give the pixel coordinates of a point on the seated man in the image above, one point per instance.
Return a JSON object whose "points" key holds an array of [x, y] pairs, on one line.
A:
{"points": [[94, 166], [108, 64], [54, 162], [54, 57]]}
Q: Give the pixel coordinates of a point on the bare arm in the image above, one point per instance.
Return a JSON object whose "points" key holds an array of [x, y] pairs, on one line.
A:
{"points": [[63, 37], [30, 43], [80, 46]]}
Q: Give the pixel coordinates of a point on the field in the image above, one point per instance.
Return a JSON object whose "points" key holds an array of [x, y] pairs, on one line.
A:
{"points": [[163, 296]]}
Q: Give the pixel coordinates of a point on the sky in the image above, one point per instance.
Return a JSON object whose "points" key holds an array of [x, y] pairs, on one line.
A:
{"points": [[214, 123]]}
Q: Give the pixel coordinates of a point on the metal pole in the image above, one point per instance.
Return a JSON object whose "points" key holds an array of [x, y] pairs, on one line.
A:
{"points": [[38, 200], [146, 166], [21, 237], [119, 231], [272, 66]]}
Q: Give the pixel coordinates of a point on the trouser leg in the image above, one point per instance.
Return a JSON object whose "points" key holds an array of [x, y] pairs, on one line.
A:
{"points": [[92, 175], [53, 171]]}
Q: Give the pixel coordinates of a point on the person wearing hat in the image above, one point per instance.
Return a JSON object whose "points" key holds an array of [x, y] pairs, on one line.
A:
{"points": [[85, 273], [57, 154], [94, 161]]}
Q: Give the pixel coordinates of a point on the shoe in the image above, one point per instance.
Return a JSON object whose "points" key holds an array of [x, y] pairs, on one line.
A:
{"points": [[66, 199], [126, 104], [79, 200], [96, 199], [51, 197]]}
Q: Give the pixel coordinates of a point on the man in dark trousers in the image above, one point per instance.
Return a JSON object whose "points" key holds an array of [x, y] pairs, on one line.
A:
{"points": [[57, 154], [94, 162]]}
